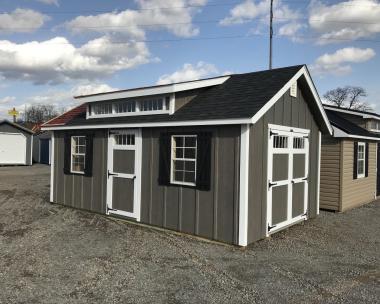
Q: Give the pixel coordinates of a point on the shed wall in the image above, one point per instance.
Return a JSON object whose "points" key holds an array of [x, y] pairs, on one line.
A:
{"points": [[356, 192], [212, 214], [6, 128], [79, 191], [287, 111], [330, 195]]}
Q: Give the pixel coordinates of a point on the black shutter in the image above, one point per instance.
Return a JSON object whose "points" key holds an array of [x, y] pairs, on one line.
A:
{"points": [[89, 155], [355, 173], [67, 155], [204, 161], [164, 161], [366, 159]]}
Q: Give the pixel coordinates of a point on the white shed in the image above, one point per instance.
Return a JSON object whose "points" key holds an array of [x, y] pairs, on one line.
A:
{"points": [[16, 144]]}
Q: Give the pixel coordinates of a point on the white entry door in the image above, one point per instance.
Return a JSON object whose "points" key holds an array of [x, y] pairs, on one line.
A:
{"points": [[12, 148], [124, 173], [288, 169]]}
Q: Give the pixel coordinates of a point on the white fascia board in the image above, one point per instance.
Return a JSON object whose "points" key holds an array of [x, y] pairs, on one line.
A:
{"points": [[165, 89], [338, 133], [303, 71], [154, 125], [347, 111]]}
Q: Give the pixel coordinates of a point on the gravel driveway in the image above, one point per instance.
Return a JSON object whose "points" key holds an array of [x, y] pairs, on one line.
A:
{"points": [[52, 254]]}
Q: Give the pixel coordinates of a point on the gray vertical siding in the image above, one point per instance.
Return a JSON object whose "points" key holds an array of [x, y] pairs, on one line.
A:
{"points": [[288, 111], [211, 214], [6, 128], [79, 191]]}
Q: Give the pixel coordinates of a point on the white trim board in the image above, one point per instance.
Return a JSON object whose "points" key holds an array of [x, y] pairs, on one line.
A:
{"points": [[338, 133], [157, 90], [244, 185], [52, 162], [302, 72], [155, 124]]}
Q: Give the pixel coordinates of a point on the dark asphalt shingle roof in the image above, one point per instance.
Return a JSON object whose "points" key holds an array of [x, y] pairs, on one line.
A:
{"points": [[241, 96], [337, 120]]}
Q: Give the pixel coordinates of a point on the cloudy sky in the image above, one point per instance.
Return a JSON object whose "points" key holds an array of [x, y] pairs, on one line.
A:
{"points": [[51, 50]]}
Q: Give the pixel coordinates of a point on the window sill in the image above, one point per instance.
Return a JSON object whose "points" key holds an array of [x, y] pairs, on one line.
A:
{"points": [[183, 184]]}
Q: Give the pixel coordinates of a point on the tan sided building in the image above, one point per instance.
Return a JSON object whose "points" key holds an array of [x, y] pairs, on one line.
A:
{"points": [[349, 175]]}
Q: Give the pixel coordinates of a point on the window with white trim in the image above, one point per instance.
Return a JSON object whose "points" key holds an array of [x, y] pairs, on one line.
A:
{"points": [[78, 154], [156, 105], [298, 143], [184, 159], [280, 142], [102, 109], [124, 139], [361, 159]]}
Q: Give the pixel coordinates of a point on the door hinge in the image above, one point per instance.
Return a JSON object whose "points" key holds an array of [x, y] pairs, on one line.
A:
{"points": [[305, 178], [271, 133], [271, 227], [271, 184], [110, 209], [110, 174]]}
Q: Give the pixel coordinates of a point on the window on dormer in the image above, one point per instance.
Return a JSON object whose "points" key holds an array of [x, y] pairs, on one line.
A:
{"points": [[159, 105]]}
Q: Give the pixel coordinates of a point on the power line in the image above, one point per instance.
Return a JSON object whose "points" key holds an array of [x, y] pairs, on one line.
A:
{"points": [[305, 37], [110, 27], [187, 6]]}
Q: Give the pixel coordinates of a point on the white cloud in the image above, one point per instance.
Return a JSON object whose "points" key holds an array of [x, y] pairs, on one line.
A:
{"points": [[57, 60], [250, 10], [62, 99], [49, 2], [338, 63], [174, 16], [190, 72], [21, 21], [348, 20], [87, 89], [7, 99]]}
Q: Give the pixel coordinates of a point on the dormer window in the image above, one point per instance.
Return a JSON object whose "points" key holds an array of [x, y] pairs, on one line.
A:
{"points": [[375, 126], [156, 105]]}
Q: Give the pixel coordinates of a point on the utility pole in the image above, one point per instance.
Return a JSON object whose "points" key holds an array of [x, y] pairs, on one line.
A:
{"points": [[271, 34]]}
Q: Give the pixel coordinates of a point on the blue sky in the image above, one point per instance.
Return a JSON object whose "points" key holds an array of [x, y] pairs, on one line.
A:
{"points": [[51, 50]]}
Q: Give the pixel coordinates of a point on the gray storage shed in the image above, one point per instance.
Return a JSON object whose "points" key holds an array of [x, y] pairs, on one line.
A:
{"points": [[16, 144], [42, 148], [232, 158]]}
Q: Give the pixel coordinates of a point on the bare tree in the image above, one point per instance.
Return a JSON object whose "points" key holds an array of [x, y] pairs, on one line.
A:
{"points": [[39, 113], [348, 97]]}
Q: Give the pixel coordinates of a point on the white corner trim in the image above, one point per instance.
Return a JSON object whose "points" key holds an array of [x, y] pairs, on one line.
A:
{"points": [[31, 149], [154, 124], [156, 90], [172, 104], [52, 164], [244, 185], [319, 170], [302, 72], [338, 133]]}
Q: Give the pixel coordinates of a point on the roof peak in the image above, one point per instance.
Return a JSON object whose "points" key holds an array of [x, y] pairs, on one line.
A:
{"points": [[189, 81]]}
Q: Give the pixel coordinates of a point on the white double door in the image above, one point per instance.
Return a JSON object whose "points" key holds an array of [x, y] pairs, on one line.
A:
{"points": [[288, 170], [124, 173]]}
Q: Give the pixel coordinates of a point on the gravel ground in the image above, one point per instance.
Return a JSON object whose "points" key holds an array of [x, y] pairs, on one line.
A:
{"points": [[52, 254]]}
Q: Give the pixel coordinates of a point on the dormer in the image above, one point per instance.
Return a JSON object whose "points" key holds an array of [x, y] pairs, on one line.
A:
{"points": [[364, 119], [161, 99]]}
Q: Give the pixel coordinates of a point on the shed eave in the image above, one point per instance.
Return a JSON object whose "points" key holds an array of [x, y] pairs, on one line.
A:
{"points": [[153, 124]]}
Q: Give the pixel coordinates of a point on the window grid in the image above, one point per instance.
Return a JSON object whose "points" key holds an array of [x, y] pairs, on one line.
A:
{"points": [[298, 143], [184, 159], [131, 106], [125, 107], [361, 160], [124, 139], [78, 154], [280, 142]]}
